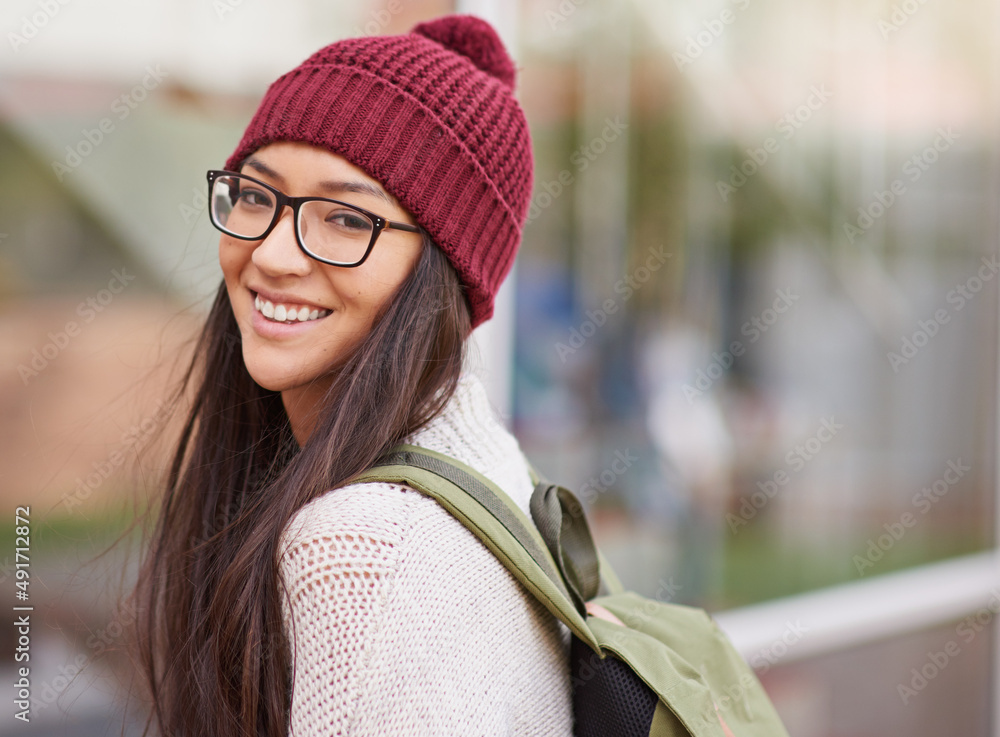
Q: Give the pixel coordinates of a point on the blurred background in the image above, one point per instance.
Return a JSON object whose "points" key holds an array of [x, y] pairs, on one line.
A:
{"points": [[753, 323]]}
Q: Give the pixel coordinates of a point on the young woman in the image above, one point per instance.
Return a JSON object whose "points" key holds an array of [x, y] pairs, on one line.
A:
{"points": [[368, 217]]}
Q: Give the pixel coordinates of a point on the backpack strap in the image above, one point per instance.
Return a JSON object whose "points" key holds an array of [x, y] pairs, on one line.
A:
{"points": [[492, 516], [563, 526], [550, 521]]}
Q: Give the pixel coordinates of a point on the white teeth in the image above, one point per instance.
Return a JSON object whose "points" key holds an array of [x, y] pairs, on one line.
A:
{"points": [[281, 313]]}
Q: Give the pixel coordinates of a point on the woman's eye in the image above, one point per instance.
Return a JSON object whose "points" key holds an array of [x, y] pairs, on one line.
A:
{"points": [[348, 220], [255, 198]]}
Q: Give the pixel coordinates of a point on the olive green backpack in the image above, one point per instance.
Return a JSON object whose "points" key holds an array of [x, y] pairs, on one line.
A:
{"points": [[639, 666]]}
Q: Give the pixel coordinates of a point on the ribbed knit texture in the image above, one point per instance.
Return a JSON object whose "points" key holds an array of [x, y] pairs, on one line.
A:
{"points": [[431, 115], [403, 623]]}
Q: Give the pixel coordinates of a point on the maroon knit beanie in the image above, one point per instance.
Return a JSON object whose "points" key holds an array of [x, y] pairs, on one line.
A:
{"points": [[431, 115]]}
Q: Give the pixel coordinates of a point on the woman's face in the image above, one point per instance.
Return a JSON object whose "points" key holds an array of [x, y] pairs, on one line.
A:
{"points": [[294, 357]]}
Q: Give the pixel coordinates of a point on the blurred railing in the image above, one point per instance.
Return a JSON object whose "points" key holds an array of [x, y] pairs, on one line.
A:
{"points": [[853, 614]]}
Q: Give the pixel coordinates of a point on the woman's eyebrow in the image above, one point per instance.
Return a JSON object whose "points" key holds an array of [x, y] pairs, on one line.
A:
{"points": [[332, 186], [357, 187], [262, 168]]}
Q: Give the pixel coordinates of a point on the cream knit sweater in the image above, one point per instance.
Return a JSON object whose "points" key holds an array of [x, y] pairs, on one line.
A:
{"points": [[402, 623]]}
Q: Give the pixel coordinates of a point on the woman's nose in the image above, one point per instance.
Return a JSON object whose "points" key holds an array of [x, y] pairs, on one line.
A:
{"points": [[279, 254]]}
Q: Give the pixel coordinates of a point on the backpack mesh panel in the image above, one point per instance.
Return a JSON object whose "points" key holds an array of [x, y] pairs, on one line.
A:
{"points": [[609, 699]]}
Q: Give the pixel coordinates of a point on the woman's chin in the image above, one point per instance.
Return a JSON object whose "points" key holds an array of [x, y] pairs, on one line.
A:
{"points": [[272, 385], [273, 378]]}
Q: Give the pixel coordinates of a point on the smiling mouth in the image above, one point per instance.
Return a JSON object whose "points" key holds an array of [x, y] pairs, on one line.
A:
{"points": [[287, 313]]}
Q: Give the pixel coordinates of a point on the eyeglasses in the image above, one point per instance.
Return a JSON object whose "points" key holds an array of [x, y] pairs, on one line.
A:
{"points": [[330, 231]]}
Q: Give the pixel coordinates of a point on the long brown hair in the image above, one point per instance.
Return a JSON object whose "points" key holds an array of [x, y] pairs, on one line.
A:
{"points": [[209, 635]]}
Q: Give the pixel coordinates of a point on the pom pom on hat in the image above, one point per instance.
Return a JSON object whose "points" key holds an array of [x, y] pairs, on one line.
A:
{"points": [[474, 38]]}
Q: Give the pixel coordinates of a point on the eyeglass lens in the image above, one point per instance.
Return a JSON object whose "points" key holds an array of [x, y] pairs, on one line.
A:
{"points": [[328, 229]]}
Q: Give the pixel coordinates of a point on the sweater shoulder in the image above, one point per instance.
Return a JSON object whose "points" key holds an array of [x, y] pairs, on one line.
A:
{"points": [[370, 519], [351, 537], [470, 430]]}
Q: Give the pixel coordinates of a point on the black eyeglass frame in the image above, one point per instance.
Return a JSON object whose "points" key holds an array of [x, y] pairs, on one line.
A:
{"points": [[282, 200]]}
